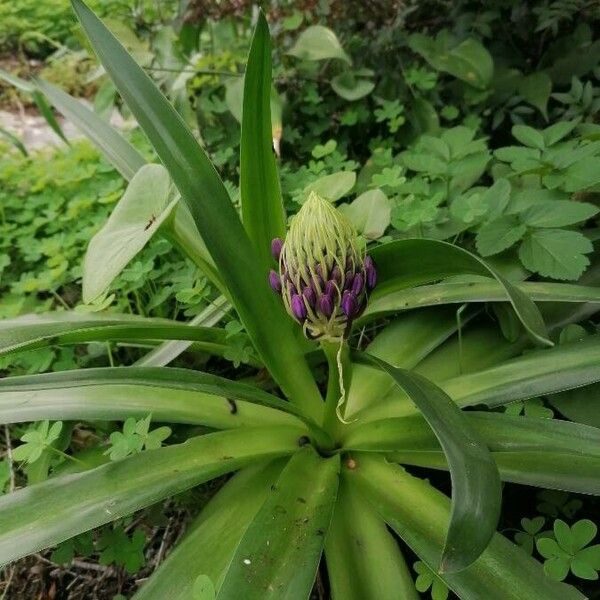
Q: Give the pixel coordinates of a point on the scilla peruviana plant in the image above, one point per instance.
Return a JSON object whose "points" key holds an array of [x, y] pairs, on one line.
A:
{"points": [[310, 491]]}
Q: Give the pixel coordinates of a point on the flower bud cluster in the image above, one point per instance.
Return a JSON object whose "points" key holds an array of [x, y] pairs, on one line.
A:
{"points": [[323, 276]]}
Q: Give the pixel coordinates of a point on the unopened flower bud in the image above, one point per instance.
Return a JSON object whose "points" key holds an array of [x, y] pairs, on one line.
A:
{"points": [[275, 281], [323, 270], [298, 307], [276, 246]]}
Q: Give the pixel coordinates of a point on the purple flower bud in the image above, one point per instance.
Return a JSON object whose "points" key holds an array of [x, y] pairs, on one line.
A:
{"points": [[371, 277], [326, 304], [319, 271], [276, 247], [298, 307], [309, 295], [330, 288], [336, 274], [275, 281], [349, 303], [357, 284], [348, 280]]}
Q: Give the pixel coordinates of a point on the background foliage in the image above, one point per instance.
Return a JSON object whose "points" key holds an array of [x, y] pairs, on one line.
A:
{"points": [[436, 119]]}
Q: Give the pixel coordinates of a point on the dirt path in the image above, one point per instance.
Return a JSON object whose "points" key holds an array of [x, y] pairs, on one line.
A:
{"points": [[34, 132]]}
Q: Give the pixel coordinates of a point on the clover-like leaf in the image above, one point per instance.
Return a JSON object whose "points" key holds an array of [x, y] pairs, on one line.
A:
{"points": [[428, 580], [569, 551], [120, 549], [36, 440]]}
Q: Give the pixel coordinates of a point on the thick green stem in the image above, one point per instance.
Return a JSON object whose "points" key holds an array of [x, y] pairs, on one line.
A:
{"points": [[338, 384]]}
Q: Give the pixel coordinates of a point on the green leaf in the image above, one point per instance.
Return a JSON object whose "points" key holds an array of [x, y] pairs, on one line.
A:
{"points": [[36, 331], [500, 432], [534, 374], [583, 174], [36, 440], [171, 395], [402, 343], [351, 87], [213, 213], [535, 90], [557, 131], [548, 470], [475, 291], [318, 43], [213, 537], [135, 437], [89, 499], [167, 352], [498, 235], [419, 514], [47, 113], [476, 491], [332, 187], [556, 253], [144, 207], [262, 207], [468, 61], [528, 136], [363, 560], [120, 153], [116, 547], [410, 262], [281, 549], [370, 213], [204, 588], [558, 213]]}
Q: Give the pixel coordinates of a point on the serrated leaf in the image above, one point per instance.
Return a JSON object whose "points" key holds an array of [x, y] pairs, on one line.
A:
{"points": [[583, 174], [499, 235], [558, 213], [558, 131], [528, 136], [555, 253], [318, 43], [144, 207], [370, 213]]}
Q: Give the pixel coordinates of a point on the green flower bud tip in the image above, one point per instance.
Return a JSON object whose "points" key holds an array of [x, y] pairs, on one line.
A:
{"points": [[323, 275]]}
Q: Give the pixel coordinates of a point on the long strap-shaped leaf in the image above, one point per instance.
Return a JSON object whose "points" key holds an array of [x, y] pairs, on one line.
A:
{"points": [[420, 516], [535, 373], [405, 342], [213, 212], [36, 331], [262, 207], [172, 395], [121, 154], [128, 161], [209, 545], [279, 554], [476, 490], [167, 352], [487, 291], [500, 432], [406, 263], [554, 470], [48, 513], [364, 561]]}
